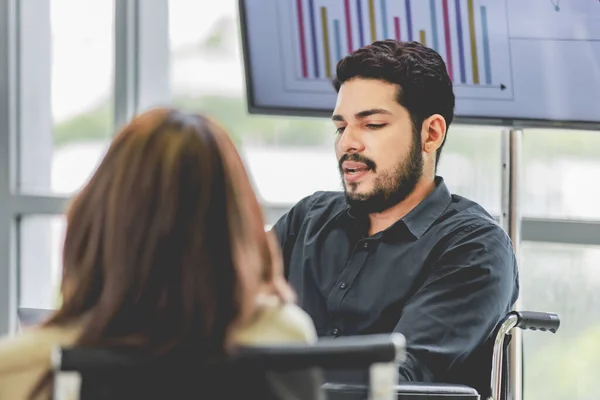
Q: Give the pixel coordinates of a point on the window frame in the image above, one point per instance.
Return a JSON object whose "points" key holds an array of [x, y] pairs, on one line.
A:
{"points": [[141, 81]]}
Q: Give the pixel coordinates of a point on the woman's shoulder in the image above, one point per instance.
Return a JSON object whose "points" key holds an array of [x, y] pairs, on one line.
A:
{"points": [[33, 347], [277, 322], [292, 317], [26, 358]]}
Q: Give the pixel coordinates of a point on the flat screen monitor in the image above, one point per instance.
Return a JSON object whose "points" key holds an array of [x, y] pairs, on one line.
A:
{"points": [[530, 60]]}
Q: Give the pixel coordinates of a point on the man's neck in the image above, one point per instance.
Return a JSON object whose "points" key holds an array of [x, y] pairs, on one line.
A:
{"points": [[381, 221]]}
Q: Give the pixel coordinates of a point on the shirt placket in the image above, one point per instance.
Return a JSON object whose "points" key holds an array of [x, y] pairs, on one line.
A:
{"points": [[345, 282]]}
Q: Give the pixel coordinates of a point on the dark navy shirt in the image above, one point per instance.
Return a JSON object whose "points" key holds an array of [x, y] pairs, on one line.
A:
{"points": [[443, 276]]}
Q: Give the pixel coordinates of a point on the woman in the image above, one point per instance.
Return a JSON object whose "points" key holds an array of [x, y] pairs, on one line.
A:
{"points": [[165, 249]]}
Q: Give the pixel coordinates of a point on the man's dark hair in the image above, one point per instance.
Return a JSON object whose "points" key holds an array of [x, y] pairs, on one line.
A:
{"points": [[425, 87]]}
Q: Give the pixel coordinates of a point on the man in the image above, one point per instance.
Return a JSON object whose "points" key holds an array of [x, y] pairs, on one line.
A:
{"points": [[396, 251]]}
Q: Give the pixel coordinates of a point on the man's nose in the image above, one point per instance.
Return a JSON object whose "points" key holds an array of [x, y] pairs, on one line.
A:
{"points": [[350, 141]]}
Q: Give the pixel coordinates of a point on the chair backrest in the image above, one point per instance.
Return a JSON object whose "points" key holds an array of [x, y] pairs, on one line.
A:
{"points": [[268, 373], [101, 374]]}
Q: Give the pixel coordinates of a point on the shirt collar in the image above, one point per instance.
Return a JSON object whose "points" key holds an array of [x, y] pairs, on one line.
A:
{"points": [[420, 218]]}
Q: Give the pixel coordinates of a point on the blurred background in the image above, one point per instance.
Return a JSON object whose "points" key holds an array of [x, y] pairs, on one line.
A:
{"points": [[69, 107]]}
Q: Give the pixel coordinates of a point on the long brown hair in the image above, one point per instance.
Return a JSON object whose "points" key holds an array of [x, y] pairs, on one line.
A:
{"points": [[165, 246]]}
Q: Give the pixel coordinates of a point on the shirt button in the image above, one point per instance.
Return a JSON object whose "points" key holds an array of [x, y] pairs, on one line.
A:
{"points": [[343, 285], [336, 331]]}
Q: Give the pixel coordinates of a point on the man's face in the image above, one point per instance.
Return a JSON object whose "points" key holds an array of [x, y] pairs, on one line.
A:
{"points": [[379, 152]]}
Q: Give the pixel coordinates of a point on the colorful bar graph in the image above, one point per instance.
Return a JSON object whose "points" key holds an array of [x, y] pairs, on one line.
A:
{"points": [[338, 39], [448, 39], [348, 25], [408, 20], [461, 50], [434, 31], [372, 20], [313, 35], [473, 38], [326, 52], [384, 20], [301, 37], [361, 36], [486, 47], [326, 34]]}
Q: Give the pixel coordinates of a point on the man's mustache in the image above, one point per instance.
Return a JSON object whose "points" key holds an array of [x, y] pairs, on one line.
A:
{"points": [[357, 158]]}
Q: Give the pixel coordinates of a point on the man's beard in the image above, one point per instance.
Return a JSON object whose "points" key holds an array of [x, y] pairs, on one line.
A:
{"points": [[391, 187]]}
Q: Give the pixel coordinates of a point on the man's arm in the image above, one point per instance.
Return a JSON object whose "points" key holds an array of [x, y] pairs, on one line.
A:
{"points": [[467, 292], [287, 227]]}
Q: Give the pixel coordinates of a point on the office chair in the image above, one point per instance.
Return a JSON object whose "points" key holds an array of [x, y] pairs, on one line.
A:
{"points": [[277, 372]]}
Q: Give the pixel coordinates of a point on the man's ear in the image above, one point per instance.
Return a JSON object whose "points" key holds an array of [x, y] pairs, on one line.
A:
{"points": [[433, 133]]}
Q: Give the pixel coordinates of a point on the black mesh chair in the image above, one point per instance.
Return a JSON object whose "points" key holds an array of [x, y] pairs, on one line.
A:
{"points": [[488, 369], [278, 372]]}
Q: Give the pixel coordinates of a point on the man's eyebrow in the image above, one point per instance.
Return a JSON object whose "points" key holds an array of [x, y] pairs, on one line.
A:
{"points": [[373, 111], [361, 114]]}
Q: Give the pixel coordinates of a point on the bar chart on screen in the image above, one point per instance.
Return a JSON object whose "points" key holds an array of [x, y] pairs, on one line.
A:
{"points": [[316, 34], [537, 60]]}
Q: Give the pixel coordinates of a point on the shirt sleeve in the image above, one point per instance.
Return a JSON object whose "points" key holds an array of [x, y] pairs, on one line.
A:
{"points": [[469, 289], [288, 226]]}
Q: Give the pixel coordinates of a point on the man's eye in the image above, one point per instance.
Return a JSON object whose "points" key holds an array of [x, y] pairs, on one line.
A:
{"points": [[375, 126], [340, 130]]}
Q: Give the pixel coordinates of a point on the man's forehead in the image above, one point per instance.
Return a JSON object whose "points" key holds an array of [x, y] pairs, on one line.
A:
{"points": [[357, 106], [359, 85], [356, 96]]}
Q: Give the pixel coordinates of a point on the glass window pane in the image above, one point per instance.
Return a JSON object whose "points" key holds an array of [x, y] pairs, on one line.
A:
{"points": [[289, 158], [560, 168], [40, 258], [564, 279], [61, 157], [471, 164]]}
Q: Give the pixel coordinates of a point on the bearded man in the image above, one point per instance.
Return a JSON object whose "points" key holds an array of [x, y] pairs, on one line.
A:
{"points": [[396, 251]]}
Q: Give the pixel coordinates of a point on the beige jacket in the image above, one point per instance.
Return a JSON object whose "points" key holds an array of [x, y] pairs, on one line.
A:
{"points": [[24, 359]]}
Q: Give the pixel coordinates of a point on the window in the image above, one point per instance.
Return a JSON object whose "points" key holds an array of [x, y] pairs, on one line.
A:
{"points": [[471, 164], [560, 168], [67, 104], [40, 260], [564, 279], [207, 76]]}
